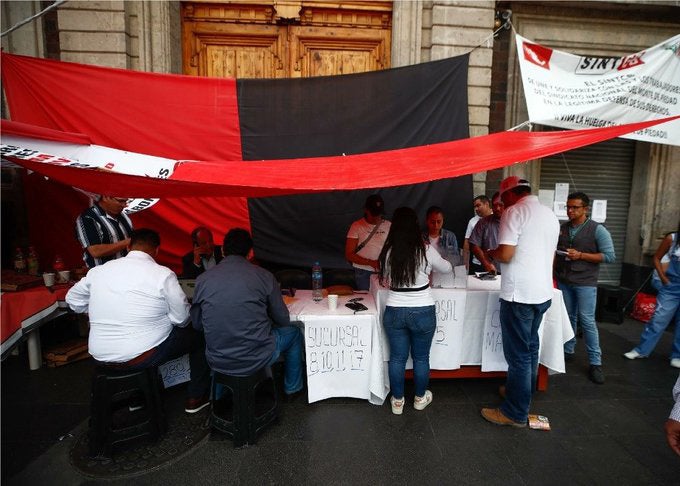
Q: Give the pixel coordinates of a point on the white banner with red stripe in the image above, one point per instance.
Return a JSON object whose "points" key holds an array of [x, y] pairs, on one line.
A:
{"points": [[569, 91]]}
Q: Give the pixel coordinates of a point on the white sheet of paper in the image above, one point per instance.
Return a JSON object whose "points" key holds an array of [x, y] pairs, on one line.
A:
{"points": [[561, 191], [546, 197], [493, 358], [560, 210], [338, 352], [175, 371], [599, 210]]}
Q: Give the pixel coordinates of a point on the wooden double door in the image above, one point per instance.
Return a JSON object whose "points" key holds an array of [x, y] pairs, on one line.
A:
{"points": [[285, 39]]}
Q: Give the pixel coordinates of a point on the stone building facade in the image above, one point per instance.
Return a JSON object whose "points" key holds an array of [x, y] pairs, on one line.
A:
{"points": [[147, 35]]}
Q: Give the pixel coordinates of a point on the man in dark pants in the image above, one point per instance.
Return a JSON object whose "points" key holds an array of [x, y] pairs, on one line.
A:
{"points": [[526, 247], [139, 316], [582, 246], [246, 323]]}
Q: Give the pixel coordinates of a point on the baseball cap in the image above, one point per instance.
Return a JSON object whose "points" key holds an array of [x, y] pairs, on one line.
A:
{"points": [[375, 204], [512, 182]]}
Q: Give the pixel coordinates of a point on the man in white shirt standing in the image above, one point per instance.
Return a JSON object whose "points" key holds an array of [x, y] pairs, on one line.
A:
{"points": [[365, 240], [526, 248], [139, 316]]}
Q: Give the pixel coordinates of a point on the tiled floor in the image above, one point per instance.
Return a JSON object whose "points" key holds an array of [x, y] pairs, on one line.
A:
{"points": [[609, 434]]}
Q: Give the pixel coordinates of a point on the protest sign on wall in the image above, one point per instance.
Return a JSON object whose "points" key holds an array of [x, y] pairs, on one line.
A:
{"points": [[570, 91]]}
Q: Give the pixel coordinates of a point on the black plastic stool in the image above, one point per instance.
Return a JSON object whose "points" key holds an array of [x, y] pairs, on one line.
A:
{"points": [[609, 304], [111, 420], [253, 402]]}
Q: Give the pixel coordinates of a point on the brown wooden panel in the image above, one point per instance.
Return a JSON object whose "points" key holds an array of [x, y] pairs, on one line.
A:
{"points": [[231, 50], [319, 51], [285, 38]]}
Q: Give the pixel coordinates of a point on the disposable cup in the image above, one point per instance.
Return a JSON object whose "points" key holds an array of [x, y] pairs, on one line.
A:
{"points": [[48, 277], [332, 301], [64, 276]]}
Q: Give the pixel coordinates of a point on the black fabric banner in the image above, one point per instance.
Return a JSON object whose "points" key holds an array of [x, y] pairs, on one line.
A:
{"points": [[333, 115]]}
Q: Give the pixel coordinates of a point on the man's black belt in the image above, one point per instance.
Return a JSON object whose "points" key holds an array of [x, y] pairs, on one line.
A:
{"points": [[409, 289]]}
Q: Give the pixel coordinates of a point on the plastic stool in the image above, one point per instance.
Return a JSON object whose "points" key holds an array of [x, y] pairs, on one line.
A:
{"points": [[609, 304], [253, 401], [111, 421]]}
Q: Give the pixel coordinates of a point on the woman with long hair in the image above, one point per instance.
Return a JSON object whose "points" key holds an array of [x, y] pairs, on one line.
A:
{"points": [[667, 302], [406, 262]]}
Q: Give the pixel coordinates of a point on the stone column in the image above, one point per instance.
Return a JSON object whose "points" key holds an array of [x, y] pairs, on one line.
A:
{"points": [[407, 22]]}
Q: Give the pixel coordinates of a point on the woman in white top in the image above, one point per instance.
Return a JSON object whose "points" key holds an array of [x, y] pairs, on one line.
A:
{"points": [[406, 262]]}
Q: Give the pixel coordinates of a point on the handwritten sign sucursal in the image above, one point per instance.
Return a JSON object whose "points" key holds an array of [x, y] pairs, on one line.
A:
{"points": [[338, 351], [448, 336]]}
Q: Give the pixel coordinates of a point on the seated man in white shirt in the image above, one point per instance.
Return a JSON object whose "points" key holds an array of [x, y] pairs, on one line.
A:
{"points": [[139, 316]]}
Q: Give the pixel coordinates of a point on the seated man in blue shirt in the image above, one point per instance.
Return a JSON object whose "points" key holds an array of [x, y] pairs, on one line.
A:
{"points": [[239, 307]]}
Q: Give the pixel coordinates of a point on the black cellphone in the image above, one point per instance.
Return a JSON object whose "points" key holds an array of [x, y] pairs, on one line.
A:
{"points": [[356, 306]]}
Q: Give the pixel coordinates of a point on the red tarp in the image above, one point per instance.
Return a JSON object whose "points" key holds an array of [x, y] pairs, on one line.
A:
{"points": [[292, 176]]}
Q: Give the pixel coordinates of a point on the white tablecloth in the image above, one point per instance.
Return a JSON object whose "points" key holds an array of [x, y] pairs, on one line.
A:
{"points": [[470, 341], [347, 353], [343, 349]]}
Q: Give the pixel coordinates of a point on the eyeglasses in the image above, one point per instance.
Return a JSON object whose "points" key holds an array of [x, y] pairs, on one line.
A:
{"points": [[574, 207]]}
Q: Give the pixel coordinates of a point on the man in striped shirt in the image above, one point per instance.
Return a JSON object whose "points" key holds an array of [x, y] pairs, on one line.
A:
{"points": [[104, 231]]}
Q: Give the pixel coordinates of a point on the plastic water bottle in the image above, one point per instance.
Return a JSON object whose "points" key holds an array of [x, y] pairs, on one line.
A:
{"points": [[32, 261], [317, 282], [19, 261]]}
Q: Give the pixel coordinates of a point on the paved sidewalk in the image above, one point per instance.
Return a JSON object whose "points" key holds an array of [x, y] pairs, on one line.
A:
{"points": [[601, 434]]}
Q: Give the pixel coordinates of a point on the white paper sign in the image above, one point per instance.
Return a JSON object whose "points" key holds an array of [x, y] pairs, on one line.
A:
{"points": [[598, 210], [448, 336], [493, 358], [175, 371], [546, 197], [338, 352], [561, 192], [569, 91]]}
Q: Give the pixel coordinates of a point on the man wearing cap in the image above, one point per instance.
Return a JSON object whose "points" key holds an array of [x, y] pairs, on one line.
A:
{"points": [[526, 247], [365, 240], [485, 235], [583, 245]]}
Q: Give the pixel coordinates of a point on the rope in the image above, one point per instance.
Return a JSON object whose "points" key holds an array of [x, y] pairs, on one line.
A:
{"points": [[39, 14], [491, 36]]}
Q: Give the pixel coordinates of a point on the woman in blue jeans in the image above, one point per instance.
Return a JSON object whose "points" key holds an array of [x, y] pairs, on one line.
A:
{"points": [[667, 302], [406, 262]]}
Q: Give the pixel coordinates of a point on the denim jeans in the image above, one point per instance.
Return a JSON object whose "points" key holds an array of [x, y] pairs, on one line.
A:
{"points": [[289, 343], [362, 278], [180, 341], [580, 302], [667, 308], [409, 328], [519, 325]]}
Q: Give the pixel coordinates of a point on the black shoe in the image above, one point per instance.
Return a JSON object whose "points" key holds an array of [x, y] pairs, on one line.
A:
{"points": [[193, 405], [596, 375], [568, 357]]}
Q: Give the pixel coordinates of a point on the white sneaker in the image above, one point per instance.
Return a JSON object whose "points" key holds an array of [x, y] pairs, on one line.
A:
{"points": [[397, 406], [675, 362], [632, 354], [421, 402]]}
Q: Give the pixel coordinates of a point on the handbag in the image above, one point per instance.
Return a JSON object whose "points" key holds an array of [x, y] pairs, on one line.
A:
{"points": [[644, 306]]}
